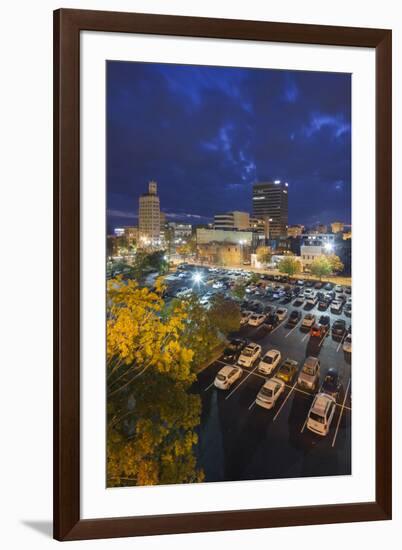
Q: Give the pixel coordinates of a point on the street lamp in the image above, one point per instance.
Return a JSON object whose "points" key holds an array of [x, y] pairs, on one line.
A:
{"points": [[197, 277], [328, 247]]}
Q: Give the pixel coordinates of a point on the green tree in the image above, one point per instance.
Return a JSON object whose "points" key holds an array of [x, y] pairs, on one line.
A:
{"points": [[321, 267], [254, 278], [264, 254], [151, 415], [336, 263], [224, 314], [239, 290], [290, 266]]}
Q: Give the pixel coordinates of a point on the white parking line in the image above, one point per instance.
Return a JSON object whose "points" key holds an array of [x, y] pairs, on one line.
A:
{"points": [[284, 401], [341, 342], [305, 336], [340, 414], [276, 328], [305, 422], [294, 328], [210, 386], [241, 382], [252, 405]]}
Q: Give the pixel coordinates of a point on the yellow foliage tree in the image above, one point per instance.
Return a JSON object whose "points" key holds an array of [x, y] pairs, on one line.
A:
{"points": [[151, 415]]}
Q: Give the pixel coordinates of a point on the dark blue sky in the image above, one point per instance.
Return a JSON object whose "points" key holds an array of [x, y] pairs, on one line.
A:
{"points": [[205, 134]]}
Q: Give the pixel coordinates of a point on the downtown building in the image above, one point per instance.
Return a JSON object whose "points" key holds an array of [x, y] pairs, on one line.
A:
{"points": [[232, 220], [149, 217], [270, 203]]}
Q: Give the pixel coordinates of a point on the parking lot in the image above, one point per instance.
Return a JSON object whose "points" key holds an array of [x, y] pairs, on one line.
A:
{"points": [[240, 440]]}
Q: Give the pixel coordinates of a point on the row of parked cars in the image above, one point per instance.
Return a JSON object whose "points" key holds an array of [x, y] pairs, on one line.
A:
{"points": [[245, 355]]}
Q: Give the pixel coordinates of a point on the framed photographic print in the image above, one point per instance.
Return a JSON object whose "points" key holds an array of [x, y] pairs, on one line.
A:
{"points": [[208, 174]]}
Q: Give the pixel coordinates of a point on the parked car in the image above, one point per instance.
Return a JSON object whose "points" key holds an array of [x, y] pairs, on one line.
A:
{"points": [[233, 349], [310, 302], [347, 344], [298, 302], [308, 322], [348, 290], [331, 384], [256, 319], [317, 331], [321, 414], [325, 322], [271, 321], [338, 329], [347, 310], [310, 374], [245, 316], [269, 362], [336, 307], [287, 371], [249, 355], [227, 376], [293, 318], [281, 313], [328, 286], [338, 288], [269, 393], [323, 305], [318, 285]]}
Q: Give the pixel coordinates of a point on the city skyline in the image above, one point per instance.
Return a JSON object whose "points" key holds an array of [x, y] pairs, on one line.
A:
{"points": [[207, 134]]}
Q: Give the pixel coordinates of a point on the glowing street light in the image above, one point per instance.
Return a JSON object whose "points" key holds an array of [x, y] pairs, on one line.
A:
{"points": [[328, 247], [197, 278]]}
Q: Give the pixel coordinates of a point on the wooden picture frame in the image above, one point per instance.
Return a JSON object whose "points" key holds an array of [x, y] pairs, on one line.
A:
{"points": [[67, 26]]}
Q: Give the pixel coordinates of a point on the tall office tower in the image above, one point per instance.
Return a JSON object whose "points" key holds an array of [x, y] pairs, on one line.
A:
{"points": [[270, 201], [149, 217]]}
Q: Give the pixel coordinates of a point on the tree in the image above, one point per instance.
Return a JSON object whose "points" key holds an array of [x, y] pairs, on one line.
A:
{"points": [[151, 416], [264, 255], [290, 266], [239, 290], [321, 267], [187, 249], [336, 263], [201, 335], [254, 278], [224, 314]]}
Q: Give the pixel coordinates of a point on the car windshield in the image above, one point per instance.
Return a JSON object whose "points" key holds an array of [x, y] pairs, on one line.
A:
{"points": [[285, 369], [221, 377], [308, 370], [248, 352], [267, 392], [268, 359], [317, 418]]}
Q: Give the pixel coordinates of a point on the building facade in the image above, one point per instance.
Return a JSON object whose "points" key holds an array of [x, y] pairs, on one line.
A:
{"points": [[206, 236], [270, 201], [232, 220], [295, 231], [149, 223], [337, 227]]}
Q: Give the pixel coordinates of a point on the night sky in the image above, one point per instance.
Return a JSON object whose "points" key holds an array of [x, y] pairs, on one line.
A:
{"points": [[205, 134]]}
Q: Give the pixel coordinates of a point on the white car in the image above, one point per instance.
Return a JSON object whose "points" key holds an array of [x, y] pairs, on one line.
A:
{"points": [[308, 322], [227, 376], [270, 361], [245, 316], [336, 306], [338, 288], [249, 355], [256, 319], [308, 292], [217, 284], [269, 393], [347, 343], [281, 313], [321, 414]]}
